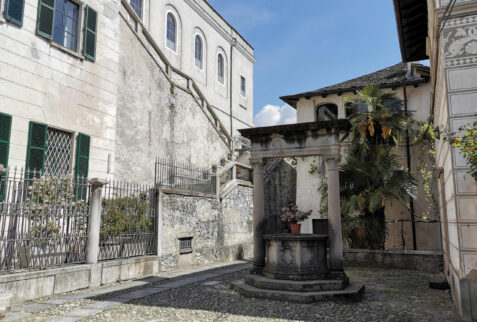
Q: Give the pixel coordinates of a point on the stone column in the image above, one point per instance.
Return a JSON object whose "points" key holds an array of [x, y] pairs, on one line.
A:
{"points": [[258, 215], [334, 214], [94, 222]]}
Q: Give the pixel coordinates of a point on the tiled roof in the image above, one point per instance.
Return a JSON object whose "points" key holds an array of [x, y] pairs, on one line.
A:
{"points": [[393, 76]]}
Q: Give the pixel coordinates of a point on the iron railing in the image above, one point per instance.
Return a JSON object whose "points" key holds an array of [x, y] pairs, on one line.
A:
{"points": [[127, 220], [181, 176], [43, 220]]}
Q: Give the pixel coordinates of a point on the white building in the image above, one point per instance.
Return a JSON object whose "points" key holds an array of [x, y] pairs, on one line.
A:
{"points": [[410, 82], [88, 85]]}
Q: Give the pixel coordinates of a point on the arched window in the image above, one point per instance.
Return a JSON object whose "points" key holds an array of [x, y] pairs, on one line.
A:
{"points": [[199, 52], [171, 41], [220, 69], [352, 108], [326, 112]]}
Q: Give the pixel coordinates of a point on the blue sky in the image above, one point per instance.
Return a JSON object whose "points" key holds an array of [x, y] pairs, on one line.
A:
{"points": [[303, 45]]}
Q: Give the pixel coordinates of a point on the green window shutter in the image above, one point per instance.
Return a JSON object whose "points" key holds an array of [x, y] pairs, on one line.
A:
{"points": [[82, 166], [82, 155], [36, 147], [46, 17], [14, 11], [5, 129], [91, 25]]}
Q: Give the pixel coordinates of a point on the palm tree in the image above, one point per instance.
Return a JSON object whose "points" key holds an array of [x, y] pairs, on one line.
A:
{"points": [[370, 173]]}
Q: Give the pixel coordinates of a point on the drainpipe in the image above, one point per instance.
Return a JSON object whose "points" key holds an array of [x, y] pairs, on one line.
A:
{"points": [[408, 156], [234, 43]]}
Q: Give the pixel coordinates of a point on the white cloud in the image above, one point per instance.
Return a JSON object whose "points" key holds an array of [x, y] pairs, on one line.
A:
{"points": [[275, 115]]}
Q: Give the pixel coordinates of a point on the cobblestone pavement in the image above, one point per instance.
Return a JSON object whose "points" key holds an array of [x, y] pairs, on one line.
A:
{"points": [[391, 295]]}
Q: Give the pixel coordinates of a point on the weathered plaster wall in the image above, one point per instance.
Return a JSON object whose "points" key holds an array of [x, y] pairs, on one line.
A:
{"points": [[456, 93], [220, 230], [280, 191], [42, 83], [154, 122], [426, 208], [196, 17], [308, 196]]}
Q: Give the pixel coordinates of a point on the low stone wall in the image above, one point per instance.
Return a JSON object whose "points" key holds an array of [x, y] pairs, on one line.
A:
{"points": [[220, 230], [420, 260], [29, 285]]}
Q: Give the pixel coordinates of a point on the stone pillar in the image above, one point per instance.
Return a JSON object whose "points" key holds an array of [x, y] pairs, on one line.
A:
{"points": [[259, 219], [94, 222], [334, 214]]}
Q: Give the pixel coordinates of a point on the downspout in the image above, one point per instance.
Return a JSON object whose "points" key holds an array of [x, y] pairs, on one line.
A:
{"points": [[408, 156], [232, 45]]}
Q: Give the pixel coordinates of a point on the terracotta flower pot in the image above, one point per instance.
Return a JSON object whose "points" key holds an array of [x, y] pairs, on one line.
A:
{"points": [[295, 228]]}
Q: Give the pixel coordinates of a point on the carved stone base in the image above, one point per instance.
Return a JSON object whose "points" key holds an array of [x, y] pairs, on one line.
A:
{"points": [[295, 257]]}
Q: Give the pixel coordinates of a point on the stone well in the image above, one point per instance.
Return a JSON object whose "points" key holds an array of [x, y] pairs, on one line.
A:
{"points": [[296, 270]]}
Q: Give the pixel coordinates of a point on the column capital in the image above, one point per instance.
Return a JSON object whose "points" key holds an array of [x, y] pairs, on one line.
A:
{"points": [[332, 161], [98, 182], [258, 165], [3, 170]]}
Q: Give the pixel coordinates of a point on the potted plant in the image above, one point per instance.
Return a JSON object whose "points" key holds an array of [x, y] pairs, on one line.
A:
{"points": [[292, 215]]}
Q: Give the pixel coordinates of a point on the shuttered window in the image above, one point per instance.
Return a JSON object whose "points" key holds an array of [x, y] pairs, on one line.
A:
{"points": [[91, 23], [46, 16], [58, 20], [5, 129], [35, 163], [82, 155], [14, 11], [82, 166]]}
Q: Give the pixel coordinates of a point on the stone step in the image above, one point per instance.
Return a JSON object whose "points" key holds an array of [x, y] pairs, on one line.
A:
{"points": [[6, 300], [353, 291], [264, 282]]}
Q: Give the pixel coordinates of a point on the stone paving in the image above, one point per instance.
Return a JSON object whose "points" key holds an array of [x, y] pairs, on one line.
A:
{"points": [[391, 295]]}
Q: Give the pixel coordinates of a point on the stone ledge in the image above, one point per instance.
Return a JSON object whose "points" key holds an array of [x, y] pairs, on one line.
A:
{"points": [[354, 291], [420, 260], [264, 282]]}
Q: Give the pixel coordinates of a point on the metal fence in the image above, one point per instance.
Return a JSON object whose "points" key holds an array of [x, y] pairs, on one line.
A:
{"points": [[184, 177], [127, 220], [43, 220]]}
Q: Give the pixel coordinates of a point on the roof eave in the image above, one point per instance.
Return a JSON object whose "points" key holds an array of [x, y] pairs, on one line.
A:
{"points": [[293, 99]]}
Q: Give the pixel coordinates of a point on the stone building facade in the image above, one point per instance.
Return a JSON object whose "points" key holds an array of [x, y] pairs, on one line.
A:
{"points": [[92, 88], [445, 32], [74, 71], [410, 83]]}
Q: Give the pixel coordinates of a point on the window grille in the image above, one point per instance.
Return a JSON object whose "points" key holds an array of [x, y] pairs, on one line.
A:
{"points": [[137, 7], [171, 32], [59, 147], [185, 244]]}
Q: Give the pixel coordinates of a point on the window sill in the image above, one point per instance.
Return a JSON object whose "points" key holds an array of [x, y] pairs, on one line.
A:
{"points": [[66, 50], [172, 51], [185, 251]]}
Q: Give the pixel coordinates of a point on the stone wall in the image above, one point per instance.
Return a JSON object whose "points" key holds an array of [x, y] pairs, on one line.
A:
{"points": [[220, 229], [280, 191], [421, 260], [157, 120]]}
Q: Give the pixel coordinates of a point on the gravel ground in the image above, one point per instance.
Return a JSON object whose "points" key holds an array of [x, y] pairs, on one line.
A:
{"points": [[391, 295]]}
